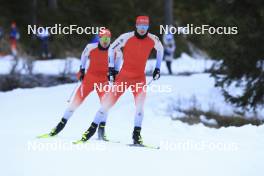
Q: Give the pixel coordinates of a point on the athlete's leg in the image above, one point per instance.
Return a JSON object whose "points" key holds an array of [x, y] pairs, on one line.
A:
{"points": [[108, 100], [80, 95], [102, 116], [110, 97], [139, 92], [82, 92], [101, 93]]}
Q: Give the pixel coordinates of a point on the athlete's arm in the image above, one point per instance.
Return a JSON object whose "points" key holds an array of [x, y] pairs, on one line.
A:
{"points": [[159, 48], [86, 53], [84, 57], [116, 47], [118, 60]]}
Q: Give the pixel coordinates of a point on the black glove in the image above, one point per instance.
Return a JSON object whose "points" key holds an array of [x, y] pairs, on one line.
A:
{"points": [[156, 74], [112, 74], [81, 74]]}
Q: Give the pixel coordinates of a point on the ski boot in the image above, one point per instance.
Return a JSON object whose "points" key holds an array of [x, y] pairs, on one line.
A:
{"points": [[101, 132], [59, 127], [137, 139], [55, 130], [89, 133]]}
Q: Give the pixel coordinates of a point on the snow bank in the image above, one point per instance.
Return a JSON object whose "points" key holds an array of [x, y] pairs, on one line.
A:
{"points": [[183, 64], [205, 120], [57, 66], [198, 91], [5, 64], [50, 67]]}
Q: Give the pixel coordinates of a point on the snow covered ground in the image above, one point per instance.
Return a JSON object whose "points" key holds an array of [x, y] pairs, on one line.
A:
{"points": [[185, 150]]}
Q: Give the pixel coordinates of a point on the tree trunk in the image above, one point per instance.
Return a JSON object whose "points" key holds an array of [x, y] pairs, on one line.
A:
{"points": [[168, 13], [53, 4], [34, 12]]}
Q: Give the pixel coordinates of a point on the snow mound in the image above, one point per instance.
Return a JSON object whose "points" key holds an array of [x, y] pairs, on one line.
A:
{"points": [[207, 121]]}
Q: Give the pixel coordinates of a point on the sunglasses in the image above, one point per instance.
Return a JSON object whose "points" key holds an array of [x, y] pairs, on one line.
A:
{"points": [[142, 27], [105, 39]]}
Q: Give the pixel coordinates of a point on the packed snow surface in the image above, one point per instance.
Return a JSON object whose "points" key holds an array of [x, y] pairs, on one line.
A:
{"points": [[185, 150]]}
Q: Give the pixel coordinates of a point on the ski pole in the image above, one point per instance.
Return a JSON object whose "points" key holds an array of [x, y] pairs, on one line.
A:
{"points": [[82, 90], [150, 82], [73, 91]]}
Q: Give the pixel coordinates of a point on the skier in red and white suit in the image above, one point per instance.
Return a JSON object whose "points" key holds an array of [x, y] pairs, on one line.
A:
{"points": [[137, 46], [96, 73]]}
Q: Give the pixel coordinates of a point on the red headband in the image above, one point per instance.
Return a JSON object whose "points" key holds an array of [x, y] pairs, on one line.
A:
{"points": [[142, 20], [105, 33]]}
